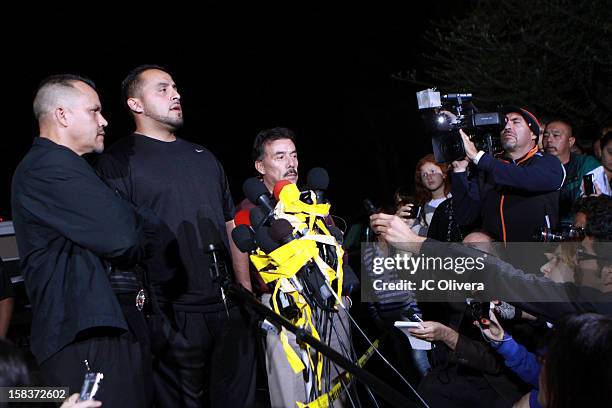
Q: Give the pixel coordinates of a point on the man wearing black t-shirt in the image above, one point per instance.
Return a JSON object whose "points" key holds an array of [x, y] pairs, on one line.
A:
{"points": [[207, 356]]}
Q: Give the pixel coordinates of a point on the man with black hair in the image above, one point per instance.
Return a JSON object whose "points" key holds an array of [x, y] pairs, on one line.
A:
{"points": [[206, 357], [275, 158], [558, 140], [515, 193], [73, 232]]}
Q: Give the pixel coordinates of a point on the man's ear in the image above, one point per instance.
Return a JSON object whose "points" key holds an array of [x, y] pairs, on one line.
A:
{"points": [[60, 115], [135, 105], [572, 140], [260, 167]]}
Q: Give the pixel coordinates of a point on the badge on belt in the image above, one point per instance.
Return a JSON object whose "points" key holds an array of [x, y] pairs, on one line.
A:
{"points": [[141, 298]]}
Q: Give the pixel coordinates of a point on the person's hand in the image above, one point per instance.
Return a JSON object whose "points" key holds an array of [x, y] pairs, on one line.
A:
{"points": [[396, 232], [460, 166], [491, 327], [405, 212], [505, 310], [468, 146], [431, 331], [434, 331], [74, 402]]}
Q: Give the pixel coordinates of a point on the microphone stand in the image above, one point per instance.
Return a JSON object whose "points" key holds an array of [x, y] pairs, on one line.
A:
{"points": [[386, 392]]}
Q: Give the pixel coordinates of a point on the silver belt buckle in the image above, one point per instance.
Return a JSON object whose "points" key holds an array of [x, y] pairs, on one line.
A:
{"points": [[141, 298]]}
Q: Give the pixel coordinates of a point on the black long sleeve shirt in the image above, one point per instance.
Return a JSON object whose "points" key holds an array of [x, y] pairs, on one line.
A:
{"points": [[68, 224]]}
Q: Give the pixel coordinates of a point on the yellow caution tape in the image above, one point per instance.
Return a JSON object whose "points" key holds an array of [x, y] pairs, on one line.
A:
{"points": [[325, 400]]}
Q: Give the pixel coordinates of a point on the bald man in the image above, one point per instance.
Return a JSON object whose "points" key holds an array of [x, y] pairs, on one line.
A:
{"points": [[72, 231]]}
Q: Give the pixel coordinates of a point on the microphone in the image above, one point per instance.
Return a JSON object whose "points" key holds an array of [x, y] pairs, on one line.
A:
{"points": [[289, 191], [257, 217], [264, 240], [258, 194], [370, 207], [244, 238], [281, 231], [278, 187], [242, 217], [316, 287], [211, 240], [318, 181]]}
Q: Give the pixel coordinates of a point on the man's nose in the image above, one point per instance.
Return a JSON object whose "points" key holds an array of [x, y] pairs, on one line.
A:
{"points": [[103, 122]]}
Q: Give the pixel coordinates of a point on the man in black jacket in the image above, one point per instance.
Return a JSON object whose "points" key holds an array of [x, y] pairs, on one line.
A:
{"points": [[71, 228], [515, 193]]}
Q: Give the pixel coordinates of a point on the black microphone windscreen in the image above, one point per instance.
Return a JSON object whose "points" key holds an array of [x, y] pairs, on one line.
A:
{"points": [[244, 238], [317, 179], [257, 215], [281, 230], [253, 189], [264, 241]]}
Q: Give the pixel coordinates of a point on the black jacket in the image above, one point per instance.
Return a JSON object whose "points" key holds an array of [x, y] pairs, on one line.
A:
{"points": [[68, 223], [529, 188]]}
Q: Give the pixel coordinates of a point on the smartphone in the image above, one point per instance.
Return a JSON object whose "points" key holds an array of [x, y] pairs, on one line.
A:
{"points": [[589, 187], [415, 211], [91, 385]]}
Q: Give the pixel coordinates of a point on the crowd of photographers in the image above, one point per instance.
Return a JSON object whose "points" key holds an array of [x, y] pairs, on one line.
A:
{"points": [[535, 336]]}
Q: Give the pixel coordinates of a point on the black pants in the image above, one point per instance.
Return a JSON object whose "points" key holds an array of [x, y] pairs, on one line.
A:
{"points": [[123, 357], [208, 359], [447, 389]]}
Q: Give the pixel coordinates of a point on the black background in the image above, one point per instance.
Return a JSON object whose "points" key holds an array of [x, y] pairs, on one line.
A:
{"points": [[324, 72]]}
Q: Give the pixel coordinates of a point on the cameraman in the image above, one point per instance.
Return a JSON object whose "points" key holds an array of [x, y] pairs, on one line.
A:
{"points": [[515, 193]]}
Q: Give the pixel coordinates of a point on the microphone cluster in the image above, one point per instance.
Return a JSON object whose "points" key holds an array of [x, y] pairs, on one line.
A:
{"points": [[292, 244]]}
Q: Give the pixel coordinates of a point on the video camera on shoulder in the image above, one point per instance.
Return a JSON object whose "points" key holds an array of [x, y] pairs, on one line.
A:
{"points": [[445, 114]]}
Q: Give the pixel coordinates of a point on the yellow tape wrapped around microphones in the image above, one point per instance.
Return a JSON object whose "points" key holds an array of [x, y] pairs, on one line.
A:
{"points": [[289, 198], [283, 263]]}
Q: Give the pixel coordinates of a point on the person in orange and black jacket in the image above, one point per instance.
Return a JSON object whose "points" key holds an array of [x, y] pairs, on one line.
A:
{"points": [[515, 193]]}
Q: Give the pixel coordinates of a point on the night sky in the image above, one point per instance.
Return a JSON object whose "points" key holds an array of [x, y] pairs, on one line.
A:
{"points": [[323, 72]]}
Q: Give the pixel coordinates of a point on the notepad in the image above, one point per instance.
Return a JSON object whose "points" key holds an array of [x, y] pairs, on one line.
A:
{"points": [[416, 344]]}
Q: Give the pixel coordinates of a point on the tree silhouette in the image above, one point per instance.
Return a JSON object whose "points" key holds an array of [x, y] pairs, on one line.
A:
{"points": [[554, 56]]}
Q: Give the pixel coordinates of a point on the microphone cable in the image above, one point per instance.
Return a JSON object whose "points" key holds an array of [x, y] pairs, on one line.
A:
{"points": [[387, 362]]}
